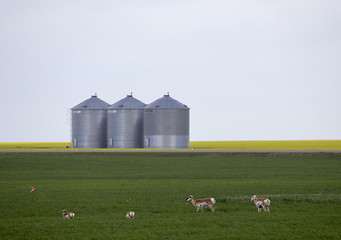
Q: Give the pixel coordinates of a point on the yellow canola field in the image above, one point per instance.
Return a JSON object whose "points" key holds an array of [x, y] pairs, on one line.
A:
{"points": [[197, 145], [269, 145], [27, 146]]}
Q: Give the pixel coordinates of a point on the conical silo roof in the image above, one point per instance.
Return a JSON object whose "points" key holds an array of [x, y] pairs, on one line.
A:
{"points": [[166, 102], [128, 102], [93, 103]]}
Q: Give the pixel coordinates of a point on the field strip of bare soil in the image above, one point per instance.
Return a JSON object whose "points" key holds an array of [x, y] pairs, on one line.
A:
{"points": [[171, 151]]}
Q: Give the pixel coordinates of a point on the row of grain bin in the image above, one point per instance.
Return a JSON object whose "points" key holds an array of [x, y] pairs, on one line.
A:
{"points": [[129, 123]]}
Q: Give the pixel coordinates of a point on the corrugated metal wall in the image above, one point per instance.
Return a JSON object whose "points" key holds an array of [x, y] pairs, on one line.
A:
{"points": [[89, 128], [166, 128]]}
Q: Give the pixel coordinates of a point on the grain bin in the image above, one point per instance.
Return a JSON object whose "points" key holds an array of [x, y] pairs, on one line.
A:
{"points": [[166, 124], [89, 124], [125, 123]]}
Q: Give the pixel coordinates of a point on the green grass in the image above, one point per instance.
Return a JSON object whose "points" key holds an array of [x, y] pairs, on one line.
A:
{"points": [[304, 189]]}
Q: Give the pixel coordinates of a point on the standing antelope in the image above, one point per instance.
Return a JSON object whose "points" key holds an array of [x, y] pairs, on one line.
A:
{"points": [[261, 203], [67, 215], [202, 203], [130, 215]]}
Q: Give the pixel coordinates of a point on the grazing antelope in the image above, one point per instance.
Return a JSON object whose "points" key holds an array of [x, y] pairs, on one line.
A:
{"points": [[261, 203], [67, 215], [130, 215], [202, 203]]}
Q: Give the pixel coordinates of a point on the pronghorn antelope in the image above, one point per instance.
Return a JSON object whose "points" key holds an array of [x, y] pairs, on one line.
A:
{"points": [[261, 203], [67, 215], [130, 215], [202, 203]]}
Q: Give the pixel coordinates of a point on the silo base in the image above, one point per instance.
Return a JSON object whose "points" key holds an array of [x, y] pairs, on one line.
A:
{"points": [[166, 141], [88, 142]]}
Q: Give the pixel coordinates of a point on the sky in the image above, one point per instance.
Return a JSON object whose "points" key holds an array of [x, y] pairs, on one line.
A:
{"points": [[248, 69]]}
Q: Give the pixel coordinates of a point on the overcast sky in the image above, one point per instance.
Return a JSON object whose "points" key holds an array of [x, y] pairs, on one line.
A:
{"points": [[248, 69]]}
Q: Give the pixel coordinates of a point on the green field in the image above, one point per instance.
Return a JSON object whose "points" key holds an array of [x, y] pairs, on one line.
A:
{"points": [[197, 145], [304, 189]]}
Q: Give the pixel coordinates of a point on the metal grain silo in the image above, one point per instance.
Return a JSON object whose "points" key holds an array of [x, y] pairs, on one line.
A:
{"points": [[166, 124], [125, 123], [89, 124]]}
